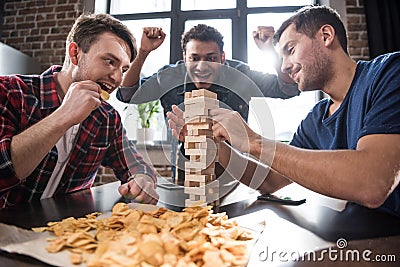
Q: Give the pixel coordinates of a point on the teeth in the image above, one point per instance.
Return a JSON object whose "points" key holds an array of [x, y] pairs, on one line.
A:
{"points": [[105, 86]]}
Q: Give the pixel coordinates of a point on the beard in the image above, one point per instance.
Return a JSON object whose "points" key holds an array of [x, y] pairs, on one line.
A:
{"points": [[81, 72], [317, 72]]}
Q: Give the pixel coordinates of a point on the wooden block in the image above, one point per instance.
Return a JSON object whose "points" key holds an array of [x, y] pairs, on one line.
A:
{"points": [[193, 184], [202, 100], [200, 203], [203, 178], [196, 111], [204, 92], [199, 126], [205, 160], [197, 171], [195, 132], [196, 139], [200, 151], [198, 119], [188, 95], [195, 165], [201, 190]]}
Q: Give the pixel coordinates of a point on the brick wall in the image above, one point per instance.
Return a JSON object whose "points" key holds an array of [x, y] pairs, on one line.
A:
{"points": [[357, 30], [39, 28]]}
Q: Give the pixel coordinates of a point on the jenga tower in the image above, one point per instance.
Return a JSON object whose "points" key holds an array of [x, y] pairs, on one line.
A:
{"points": [[200, 181]]}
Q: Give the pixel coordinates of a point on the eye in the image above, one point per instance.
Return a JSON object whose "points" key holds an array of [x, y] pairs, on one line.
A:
{"points": [[291, 50], [212, 59], [192, 59], [109, 61]]}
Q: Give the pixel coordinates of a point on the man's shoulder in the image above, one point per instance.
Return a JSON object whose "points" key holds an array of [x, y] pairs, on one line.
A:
{"points": [[237, 64], [381, 67]]}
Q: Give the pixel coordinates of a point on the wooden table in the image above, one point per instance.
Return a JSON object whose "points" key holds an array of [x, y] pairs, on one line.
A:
{"points": [[290, 231]]}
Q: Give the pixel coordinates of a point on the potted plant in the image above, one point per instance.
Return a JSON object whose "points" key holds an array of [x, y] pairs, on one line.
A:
{"points": [[146, 115]]}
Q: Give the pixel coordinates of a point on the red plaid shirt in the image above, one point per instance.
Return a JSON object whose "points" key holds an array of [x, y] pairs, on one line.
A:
{"points": [[25, 100]]}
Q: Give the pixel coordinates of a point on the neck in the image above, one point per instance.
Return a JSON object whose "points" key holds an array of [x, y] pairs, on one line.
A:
{"points": [[343, 75], [62, 84]]}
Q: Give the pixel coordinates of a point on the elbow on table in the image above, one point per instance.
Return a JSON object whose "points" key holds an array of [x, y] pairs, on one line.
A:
{"points": [[373, 199]]}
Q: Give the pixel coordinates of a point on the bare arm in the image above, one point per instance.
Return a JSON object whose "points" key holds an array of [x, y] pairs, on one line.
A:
{"points": [[152, 38], [263, 39], [30, 146], [366, 175]]}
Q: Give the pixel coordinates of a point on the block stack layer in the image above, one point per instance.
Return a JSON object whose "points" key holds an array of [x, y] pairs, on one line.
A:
{"points": [[200, 182]]}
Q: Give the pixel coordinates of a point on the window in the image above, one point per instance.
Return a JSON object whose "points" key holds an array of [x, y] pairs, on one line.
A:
{"points": [[236, 20]]}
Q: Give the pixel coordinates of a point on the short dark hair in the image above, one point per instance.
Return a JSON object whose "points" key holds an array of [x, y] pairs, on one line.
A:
{"points": [[308, 20], [203, 33], [88, 27]]}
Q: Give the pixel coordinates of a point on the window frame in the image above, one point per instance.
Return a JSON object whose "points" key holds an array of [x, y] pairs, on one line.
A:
{"points": [[178, 18]]}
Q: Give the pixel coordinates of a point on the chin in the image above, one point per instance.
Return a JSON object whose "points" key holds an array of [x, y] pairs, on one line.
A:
{"points": [[203, 85]]}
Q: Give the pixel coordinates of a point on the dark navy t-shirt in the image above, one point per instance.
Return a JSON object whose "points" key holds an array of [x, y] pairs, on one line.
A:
{"points": [[371, 106]]}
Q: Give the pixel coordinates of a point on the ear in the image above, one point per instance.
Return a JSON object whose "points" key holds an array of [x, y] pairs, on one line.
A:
{"points": [[327, 34], [223, 58], [73, 51]]}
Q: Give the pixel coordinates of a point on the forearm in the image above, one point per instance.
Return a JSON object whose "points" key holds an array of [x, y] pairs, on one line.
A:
{"points": [[30, 146], [249, 172], [354, 175], [132, 76]]}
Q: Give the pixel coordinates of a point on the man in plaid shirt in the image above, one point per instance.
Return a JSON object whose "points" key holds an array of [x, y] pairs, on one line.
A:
{"points": [[55, 130]]}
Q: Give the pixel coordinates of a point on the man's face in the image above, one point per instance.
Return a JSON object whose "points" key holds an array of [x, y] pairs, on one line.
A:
{"points": [[203, 61], [304, 59], [104, 63]]}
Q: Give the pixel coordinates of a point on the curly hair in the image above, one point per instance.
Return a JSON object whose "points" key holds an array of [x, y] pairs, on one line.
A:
{"points": [[203, 33]]}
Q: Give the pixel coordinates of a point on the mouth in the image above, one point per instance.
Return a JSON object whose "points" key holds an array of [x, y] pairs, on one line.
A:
{"points": [[106, 86], [202, 77]]}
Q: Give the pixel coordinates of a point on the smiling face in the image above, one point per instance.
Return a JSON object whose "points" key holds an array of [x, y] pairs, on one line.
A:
{"points": [[104, 63], [203, 61], [304, 59]]}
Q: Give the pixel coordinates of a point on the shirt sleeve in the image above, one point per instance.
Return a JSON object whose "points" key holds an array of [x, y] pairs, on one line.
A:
{"points": [[8, 128], [382, 111]]}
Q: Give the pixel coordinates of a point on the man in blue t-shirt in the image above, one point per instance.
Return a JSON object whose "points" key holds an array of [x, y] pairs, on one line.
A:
{"points": [[348, 147]]}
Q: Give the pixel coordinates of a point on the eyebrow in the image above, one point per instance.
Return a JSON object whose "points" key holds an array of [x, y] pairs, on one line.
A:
{"points": [[108, 54], [208, 54]]}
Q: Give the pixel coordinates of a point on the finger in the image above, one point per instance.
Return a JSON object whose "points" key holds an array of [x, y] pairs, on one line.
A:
{"points": [[177, 111], [218, 111], [219, 132], [123, 189], [178, 122]]}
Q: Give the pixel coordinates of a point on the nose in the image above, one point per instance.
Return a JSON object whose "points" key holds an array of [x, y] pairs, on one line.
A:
{"points": [[117, 76], [202, 65], [286, 65]]}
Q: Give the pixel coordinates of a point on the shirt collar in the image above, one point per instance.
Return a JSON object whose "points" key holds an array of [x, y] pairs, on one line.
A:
{"points": [[48, 89]]}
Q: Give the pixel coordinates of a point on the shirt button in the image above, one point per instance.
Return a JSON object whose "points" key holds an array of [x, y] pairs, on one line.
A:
{"points": [[240, 106]]}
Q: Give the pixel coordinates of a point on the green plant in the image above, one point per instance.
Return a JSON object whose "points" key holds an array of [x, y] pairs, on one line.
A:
{"points": [[146, 112]]}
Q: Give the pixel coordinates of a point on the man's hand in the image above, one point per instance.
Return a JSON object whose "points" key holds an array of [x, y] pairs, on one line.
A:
{"points": [[176, 122], [140, 189], [152, 38], [263, 38], [230, 126], [80, 100]]}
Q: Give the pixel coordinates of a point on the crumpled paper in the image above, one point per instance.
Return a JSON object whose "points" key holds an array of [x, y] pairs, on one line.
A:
{"points": [[21, 241]]}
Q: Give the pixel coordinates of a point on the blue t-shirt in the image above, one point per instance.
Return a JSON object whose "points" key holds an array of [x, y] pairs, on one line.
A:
{"points": [[371, 106]]}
